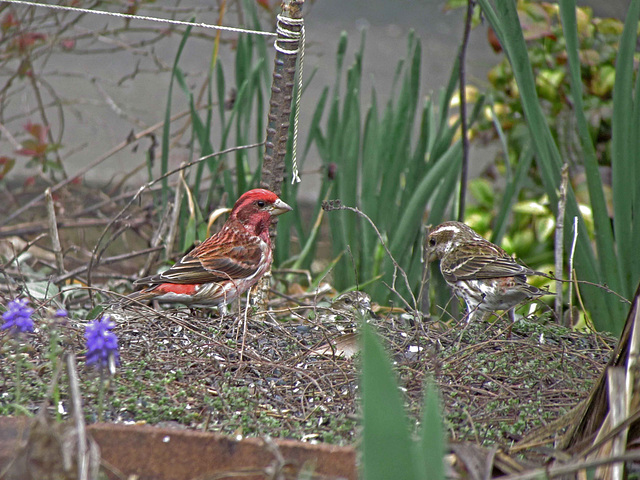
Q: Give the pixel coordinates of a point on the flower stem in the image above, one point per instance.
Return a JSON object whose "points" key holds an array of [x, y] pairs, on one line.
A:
{"points": [[18, 375], [54, 352], [101, 395]]}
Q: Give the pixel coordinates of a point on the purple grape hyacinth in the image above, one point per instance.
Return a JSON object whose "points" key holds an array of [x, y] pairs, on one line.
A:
{"points": [[102, 343], [17, 318]]}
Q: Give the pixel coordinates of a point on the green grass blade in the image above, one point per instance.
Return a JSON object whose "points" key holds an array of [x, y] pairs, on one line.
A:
{"points": [[602, 223], [315, 132], [605, 309], [443, 197], [634, 261], [432, 434], [445, 99], [624, 157], [260, 43], [222, 94], [166, 129], [342, 50], [306, 254], [410, 221], [510, 195], [379, 162], [322, 275], [200, 131], [371, 164], [386, 445]]}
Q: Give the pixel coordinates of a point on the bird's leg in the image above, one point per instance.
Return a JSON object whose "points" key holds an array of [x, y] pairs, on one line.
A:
{"points": [[244, 324], [222, 311], [512, 317], [474, 312], [470, 314]]}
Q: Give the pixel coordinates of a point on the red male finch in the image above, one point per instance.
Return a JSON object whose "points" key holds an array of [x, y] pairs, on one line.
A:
{"points": [[225, 265], [478, 271]]}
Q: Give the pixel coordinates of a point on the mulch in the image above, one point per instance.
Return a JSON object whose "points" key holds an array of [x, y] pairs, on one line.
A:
{"points": [[496, 385]]}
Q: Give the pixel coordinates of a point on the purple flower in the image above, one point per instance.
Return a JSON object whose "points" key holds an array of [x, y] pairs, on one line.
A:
{"points": [[61, 312], [17, 318], [102, 343]]}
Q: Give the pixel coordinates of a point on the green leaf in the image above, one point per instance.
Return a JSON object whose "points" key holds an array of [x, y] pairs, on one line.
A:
{"points": [[387, 448], [41, 290], [166, 128], [624, 156], [482, 191], [95, 312], [432, 434], [190, 233], [510, 194], [603, 233], [606, 311]]}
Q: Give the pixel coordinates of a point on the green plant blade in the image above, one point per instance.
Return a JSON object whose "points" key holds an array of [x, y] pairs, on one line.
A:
{"points": [[166, 129], [432, 444], [603, 233], [511, 193], [607, 312], [387, 446], [624, 156]]}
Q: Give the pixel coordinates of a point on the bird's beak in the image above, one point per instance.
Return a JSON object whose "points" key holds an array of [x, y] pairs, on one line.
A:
{"points": [[432, 256], [279, 207]]}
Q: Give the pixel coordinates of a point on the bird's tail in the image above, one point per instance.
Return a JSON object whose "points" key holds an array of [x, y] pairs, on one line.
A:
{"points": [[535, 292], [141, 296]]}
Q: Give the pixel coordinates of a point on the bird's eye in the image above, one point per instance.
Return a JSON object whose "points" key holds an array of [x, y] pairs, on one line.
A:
{"points": [[347, 300], [432, 242], [261, 203]]}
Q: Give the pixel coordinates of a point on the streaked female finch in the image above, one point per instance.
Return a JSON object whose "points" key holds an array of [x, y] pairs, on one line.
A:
{"points": [[479, 272]]}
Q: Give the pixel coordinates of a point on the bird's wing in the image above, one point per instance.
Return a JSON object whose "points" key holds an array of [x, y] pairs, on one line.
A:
{"points": [[474, 263], [216, 259]]}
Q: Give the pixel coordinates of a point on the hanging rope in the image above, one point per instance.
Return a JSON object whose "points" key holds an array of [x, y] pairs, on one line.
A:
{"points": [[296, 37]]}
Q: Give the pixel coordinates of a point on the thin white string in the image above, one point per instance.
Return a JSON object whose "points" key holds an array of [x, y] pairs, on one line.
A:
{"points": [[296, 116], [286, 36], [139, 17], [290, 36]]}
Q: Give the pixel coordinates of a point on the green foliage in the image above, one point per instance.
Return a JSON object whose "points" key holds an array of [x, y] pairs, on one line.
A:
{"points": [[241, 122], [530, 235], [607, 261], [390, 165], [388, 450], [432, 437], [595, 44]]}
